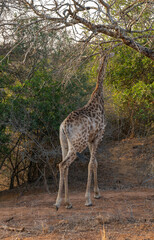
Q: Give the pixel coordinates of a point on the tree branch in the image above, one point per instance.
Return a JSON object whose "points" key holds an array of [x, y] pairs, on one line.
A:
{"points": [[118, 33], [11, 151], [115, 24]]}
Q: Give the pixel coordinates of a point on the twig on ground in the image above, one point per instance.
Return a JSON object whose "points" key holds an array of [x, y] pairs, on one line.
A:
{"points": [[5, 227]]}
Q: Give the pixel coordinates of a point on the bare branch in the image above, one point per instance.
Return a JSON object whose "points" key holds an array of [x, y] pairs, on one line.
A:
{"points": [[125, 22], [11, 151], [130, 7], [138, 17], [107, 6]]}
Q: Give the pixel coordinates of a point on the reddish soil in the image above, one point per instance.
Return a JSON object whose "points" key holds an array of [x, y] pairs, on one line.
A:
{"points": [[124, 212], [117, 215]]}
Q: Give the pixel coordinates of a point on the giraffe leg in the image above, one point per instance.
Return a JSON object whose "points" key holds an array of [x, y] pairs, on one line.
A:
{"points": [[67, 201], [87, 195], [61, 182], [63, 174], [64, 147], [96, 189], [92, 167], [63, 168]]}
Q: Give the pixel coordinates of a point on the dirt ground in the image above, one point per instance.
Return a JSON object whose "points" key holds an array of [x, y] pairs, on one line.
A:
{"points": [[124, 211], [119, 214]]}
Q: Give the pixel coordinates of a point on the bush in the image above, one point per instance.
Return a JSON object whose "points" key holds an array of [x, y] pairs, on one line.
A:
{"points": [[130, 77]]}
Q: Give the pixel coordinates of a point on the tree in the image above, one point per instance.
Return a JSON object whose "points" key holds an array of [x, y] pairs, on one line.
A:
{"points": [[45, 44], [115, 22], [34, 102], [130, 78]]}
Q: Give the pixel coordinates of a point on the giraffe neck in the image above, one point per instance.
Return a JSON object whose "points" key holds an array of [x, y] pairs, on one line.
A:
{"points": [[98, 91]]}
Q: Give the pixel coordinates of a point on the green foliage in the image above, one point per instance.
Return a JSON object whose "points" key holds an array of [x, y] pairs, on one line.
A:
{"points": [[34, 101], [131, 77], [34, 98], [41, 103]]}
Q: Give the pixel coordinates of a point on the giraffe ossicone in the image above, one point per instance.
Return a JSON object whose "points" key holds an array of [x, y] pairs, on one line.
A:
{"points": [[83, 127]]}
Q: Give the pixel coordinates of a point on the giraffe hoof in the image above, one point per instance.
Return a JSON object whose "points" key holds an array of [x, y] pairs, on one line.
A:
{"points": [[69, 206], [57, 207], [88, 204], [97, 196]]}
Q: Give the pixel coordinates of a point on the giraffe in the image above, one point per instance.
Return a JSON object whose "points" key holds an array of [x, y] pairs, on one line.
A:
{"points": [[83, 127]]}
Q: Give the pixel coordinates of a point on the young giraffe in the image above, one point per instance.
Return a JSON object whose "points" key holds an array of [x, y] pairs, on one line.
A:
{"points": [[83, 127]]}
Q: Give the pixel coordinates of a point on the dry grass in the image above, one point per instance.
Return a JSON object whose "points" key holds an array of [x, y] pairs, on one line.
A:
{"points": [[107, 218], [103, 233]]}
